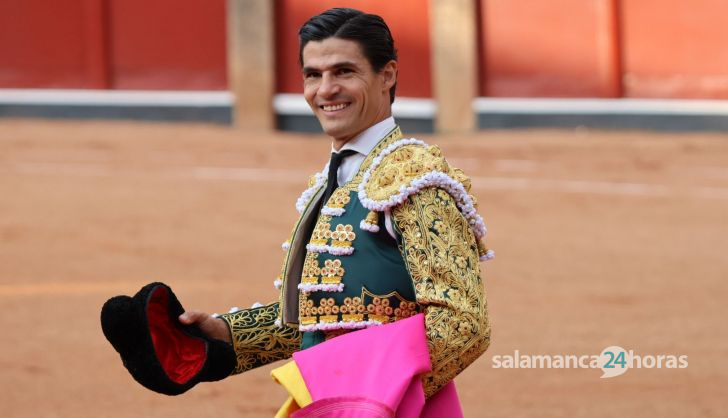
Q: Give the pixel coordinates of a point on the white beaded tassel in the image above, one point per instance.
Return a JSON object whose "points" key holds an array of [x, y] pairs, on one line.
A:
{"points": [[370, 223]]}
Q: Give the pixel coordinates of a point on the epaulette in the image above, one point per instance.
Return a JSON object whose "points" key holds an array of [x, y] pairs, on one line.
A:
{"points": [[403, 169]]}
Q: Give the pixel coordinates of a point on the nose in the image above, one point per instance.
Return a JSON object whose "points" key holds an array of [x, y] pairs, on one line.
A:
{"points": [[329, 86]]}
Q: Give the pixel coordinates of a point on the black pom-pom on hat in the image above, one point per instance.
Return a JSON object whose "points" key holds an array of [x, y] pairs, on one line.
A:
{"points": [[158, 351]]}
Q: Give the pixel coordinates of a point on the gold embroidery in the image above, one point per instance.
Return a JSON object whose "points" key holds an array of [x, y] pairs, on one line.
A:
{"points": [[322, 232], [342, 236], [339, 199], [367, 307], [463, 179], [392, 305], [441, 254], [372, 219], [403, 165], [332, 272], [394, 135], [311, 269], [257, 340], [482, 249]]}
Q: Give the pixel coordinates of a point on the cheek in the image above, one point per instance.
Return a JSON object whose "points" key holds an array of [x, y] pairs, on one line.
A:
{"points": [[309, 91], [361, 90], [309, 97]]}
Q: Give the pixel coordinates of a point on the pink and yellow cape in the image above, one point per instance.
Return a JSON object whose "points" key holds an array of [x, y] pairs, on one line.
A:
{"points": [[372, 373]]}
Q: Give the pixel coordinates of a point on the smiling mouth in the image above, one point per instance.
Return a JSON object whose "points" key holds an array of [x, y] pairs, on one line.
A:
{"points": [[334, 108]]}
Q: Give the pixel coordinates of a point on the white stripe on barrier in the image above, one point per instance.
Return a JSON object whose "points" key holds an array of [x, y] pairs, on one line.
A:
{"points": [[405, 107], [67, 97], [601, 106]]}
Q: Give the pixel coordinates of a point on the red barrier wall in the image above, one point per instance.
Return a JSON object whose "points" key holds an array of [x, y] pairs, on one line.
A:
{"points": [[528, 48], [47, 44], [549, 48], [675, 48], [168, 44], [407, 19], [126, 44]]}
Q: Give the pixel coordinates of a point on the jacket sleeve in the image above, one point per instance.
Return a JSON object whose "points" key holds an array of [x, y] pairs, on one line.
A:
{"points": [[441, 254], [257, 339]]}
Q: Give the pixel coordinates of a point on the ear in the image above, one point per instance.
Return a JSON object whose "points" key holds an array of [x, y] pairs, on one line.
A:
{"points": [[389, 75]]}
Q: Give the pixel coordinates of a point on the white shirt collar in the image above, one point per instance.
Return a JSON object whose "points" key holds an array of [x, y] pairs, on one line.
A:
{"points": [[365, 142]]}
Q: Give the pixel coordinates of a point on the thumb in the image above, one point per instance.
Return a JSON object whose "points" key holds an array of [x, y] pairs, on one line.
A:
{"points": [[191, 317]]}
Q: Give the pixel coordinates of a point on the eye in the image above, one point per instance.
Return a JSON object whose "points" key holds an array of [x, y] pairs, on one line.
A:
{"points": [[312, 74], [342, 71]]}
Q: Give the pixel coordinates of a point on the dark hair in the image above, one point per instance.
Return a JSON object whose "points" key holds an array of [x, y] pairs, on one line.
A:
{"points": [[368, 30]]}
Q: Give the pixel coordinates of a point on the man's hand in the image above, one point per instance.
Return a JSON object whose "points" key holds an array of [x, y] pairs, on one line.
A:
{"points": [[212, 327]]}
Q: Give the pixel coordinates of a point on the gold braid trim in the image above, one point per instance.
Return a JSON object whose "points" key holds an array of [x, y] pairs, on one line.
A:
{"points": [[441, 254], [401, 167], [257, 339], [408, 166], [393, 136]]}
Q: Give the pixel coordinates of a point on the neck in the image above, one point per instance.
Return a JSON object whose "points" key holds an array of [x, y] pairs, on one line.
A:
{"points": [[338, 143]]}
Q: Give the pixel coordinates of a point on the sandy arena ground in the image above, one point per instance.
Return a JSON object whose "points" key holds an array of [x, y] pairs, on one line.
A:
{"points": [[602, 239]]}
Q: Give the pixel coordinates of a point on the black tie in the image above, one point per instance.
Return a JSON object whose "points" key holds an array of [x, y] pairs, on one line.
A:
{"points": [[332, 183]]}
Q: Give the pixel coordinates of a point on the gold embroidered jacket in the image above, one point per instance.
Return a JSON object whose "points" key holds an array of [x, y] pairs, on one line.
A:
{"points": [[440, 234]]}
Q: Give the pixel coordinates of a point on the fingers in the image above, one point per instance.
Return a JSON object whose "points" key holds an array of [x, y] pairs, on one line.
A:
{"points": [[212, 327], [193, 317]]}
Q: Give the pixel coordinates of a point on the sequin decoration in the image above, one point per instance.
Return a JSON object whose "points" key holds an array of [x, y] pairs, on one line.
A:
{"points": [[332, 272], [355, 312], [342, 236], [336, 203]]}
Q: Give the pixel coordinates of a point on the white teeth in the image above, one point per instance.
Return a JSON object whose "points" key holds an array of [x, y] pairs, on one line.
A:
{"points": [[333, 108]]}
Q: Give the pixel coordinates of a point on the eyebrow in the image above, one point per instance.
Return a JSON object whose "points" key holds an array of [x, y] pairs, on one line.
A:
{"points": [[336, 66]]}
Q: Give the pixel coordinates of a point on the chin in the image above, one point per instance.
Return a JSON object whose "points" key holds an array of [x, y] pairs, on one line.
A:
{"points": [[334, 130]]}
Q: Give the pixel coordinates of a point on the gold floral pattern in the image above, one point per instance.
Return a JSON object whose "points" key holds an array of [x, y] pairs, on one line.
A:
{"points": [[441, 254], [402, 166], [322, 232], [287, 266], [342, 236], [367, 307], [257, 339], [311, 269], [339, 199], [332, 272]]}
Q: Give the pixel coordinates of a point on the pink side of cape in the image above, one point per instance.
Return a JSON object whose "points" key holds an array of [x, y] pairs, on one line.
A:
{"points": [[381, 365]]}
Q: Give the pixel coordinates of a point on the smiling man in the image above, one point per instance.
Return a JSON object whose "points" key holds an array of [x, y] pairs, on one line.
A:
{"points": [[348, 84], [388, 232]]}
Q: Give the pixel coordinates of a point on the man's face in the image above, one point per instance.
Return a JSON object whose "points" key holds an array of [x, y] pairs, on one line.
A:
{"points": [[344, 92]]}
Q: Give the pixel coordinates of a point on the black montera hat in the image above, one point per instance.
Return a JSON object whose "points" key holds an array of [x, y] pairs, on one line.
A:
{"points": [[161, 353]]}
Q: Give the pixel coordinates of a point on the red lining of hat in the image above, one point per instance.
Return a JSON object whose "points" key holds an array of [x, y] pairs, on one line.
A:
{"points": [[180, 355]]}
